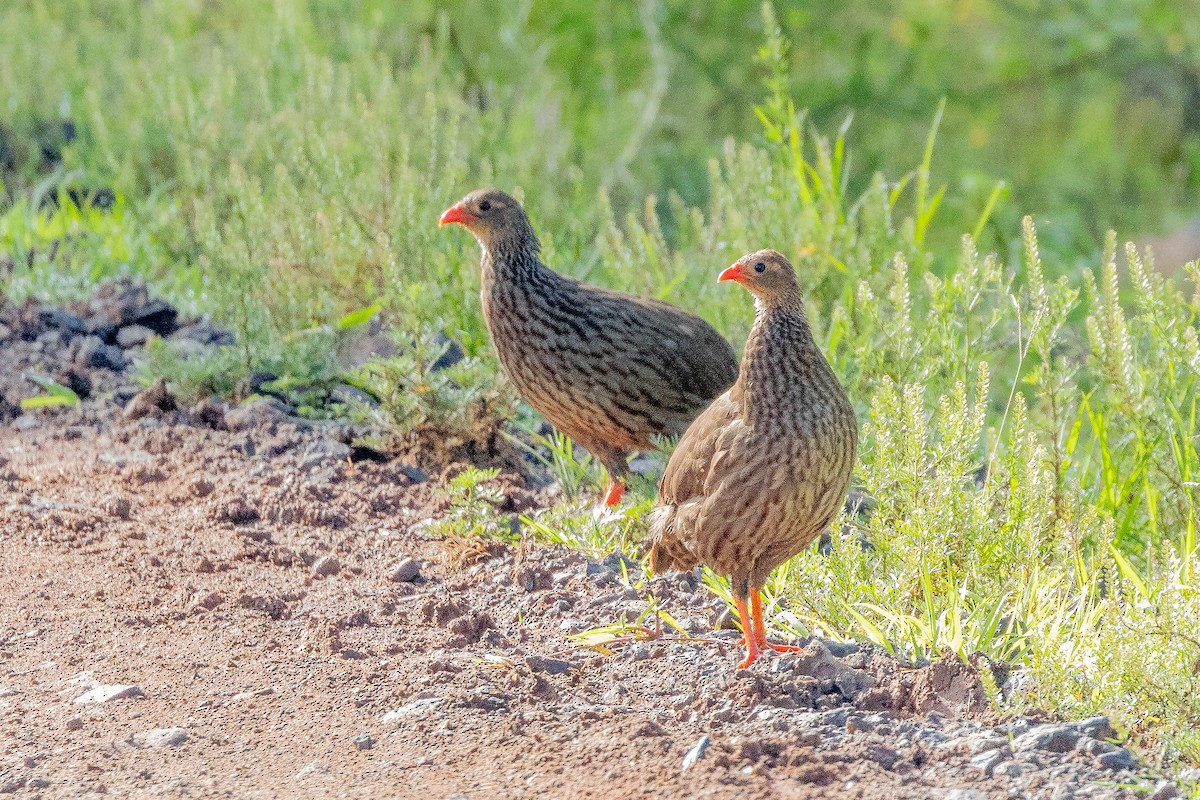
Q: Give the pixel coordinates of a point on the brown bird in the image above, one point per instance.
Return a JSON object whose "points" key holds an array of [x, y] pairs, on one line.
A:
{"points": [[762, 472], [606, 368]]}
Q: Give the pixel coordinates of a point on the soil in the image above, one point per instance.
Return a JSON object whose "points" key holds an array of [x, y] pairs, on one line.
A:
{"points": [[230, 601]]}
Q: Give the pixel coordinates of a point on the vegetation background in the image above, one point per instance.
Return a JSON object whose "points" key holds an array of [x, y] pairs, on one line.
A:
{"points": [[945, 176]]}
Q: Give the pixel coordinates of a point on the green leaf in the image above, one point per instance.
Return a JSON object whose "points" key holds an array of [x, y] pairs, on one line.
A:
{"points": [[56, 394], [356, 318], [49, 401]]}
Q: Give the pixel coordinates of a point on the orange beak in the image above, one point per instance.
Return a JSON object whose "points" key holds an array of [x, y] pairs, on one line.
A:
{"points": [[455, 213], [732, 273]]}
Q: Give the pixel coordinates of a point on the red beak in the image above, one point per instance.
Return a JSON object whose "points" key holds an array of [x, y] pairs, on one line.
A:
{"points": [[455, 213], [733, 273]]}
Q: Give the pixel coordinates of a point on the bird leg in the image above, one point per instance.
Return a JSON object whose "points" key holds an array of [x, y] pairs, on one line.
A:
{"points": [[614, 492], [753, 648], [760, 629]]}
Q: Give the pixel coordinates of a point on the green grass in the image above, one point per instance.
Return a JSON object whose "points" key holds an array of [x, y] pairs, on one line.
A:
{"points": [[1029, 414]]}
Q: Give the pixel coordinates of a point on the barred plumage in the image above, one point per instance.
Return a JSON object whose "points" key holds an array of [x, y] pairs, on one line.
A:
{"points": [[608, 369], [765, 469]]}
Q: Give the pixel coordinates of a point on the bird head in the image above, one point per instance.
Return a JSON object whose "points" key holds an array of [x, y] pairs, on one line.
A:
{"points": [[767, 274], [493, 217]]}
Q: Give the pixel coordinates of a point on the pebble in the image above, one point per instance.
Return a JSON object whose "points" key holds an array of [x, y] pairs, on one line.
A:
{"points": [[1009, 769], [93, 353], [325, 566], [74, 723], [987, 761], [312, 768], [1117, 760], [1164, 790], [25, 422], [105, 693], [406, 570], [322, 450], [160, 737], [364, 741], [134, 336], [1052, 738], [417, 708], [550, 666], [259, 412], [451, 354], [1096, 727], [695, 753]]}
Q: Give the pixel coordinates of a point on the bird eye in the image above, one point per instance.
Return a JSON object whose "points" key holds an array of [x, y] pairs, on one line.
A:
{"points": [[485, 205], [760, 267]]}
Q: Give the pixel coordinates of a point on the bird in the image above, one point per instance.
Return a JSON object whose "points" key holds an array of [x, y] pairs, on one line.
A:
{"points": [[610, 370], [767, 466]]}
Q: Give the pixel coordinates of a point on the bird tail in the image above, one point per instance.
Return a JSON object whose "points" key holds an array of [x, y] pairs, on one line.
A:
{"points": [[667, 549]]}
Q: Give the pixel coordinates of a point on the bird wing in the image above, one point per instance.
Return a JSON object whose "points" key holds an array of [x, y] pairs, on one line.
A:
{"points": [[695, 356], [700, 450]]}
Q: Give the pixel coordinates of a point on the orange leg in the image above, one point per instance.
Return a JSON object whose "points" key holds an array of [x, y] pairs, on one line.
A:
{"points": [[614, 493], [760, 629], [753, 649]]}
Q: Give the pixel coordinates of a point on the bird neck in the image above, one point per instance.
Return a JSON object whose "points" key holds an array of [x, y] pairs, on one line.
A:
{"points": [[782, 364], [511, 259]]}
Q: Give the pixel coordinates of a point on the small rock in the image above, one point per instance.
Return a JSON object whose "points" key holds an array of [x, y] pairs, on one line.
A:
{"points": [[1164, 790], [326, 566], [204, 333], [406, 570], [25, 422], [105, 693], [324, 449], [313, 768], [415, 709], [93, 353], [1051, 738], [160, 737], [210, 600], [1009, 769], [695, 753], [1118, 759], [858, 723], [118, 507], [451, 355], [550, 666], [259, 412], [351, 396], [364, 741], [210, 411], [987, 761], [65, 321], [1096, 727], [133, 336], [1094, 747], [157, 316], [151, 401], [74, 723]]}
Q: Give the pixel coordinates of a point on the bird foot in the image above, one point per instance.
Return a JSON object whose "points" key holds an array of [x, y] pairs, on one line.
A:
{"points": [[752, 654], [616, 490], [759, 648]]}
